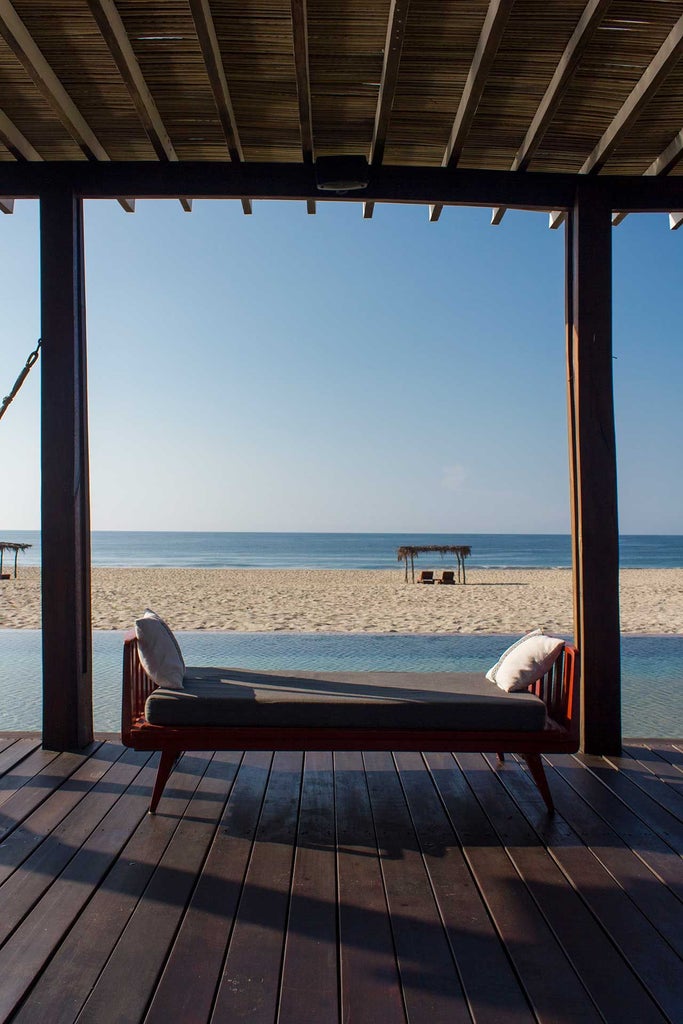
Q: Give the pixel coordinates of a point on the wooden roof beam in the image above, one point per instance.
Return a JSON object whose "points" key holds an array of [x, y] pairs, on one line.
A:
{"points": [[15, 142], [593, 14], [393, 47], [664, 163], [24, 48], [662, 64], [484, 55], [115, 36], [208, 42], [303, 84], [289, 181]]}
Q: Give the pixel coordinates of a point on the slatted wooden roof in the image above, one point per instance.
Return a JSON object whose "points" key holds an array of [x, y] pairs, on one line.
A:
{"points": [[577, 86]]}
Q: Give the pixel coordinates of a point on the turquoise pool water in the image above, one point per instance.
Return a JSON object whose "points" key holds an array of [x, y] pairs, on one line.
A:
{"points": [[652, 667]]}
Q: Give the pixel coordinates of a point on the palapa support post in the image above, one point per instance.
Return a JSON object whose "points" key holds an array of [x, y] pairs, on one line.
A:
{"points": [[65, 501], [593, 471]]}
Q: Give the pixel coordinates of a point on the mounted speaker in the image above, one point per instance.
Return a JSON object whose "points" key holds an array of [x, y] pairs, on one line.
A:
{"points": [[341, 173]]}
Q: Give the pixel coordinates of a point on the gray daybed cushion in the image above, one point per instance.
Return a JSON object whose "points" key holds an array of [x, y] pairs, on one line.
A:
{"points": [[371, 700]]}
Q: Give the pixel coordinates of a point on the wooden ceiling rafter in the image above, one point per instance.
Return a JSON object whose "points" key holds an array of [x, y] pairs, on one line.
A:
{"points": [[15, 141], [586, 27], [213, 60], [306, 82], [20, 148], [115, 36], [393, 47], [25, 49], [484, 55], [303, 84], [665, 162], [662, 64]]}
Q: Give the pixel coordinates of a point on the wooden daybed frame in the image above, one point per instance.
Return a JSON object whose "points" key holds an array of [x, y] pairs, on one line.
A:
{"points": [[556, 689]]}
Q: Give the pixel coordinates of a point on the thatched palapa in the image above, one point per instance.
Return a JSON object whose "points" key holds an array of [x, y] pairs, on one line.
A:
{"points": [[6, 545], [411, 551]]}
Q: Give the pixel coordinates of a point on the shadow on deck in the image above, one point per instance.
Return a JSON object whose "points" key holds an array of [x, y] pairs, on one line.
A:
{"points": [[422, 888]]}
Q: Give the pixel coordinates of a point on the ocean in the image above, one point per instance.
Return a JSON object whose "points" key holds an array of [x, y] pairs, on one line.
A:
{"points": [[342, 550]]}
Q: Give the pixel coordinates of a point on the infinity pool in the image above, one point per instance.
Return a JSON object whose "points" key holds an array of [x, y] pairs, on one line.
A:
{"points": [[652, 667]]}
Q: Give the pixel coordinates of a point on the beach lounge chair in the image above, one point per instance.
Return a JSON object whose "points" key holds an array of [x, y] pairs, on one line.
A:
{"points": [[447, 576], [426, 576]]}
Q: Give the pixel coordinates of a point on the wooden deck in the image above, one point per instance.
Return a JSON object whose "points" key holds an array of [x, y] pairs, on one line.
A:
{"points": [[420, 888]]}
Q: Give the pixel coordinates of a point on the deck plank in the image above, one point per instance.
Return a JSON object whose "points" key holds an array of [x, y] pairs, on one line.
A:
{"points": [[188, 984], [26, 952], [15, 750], [606, 975], [656, 901], [655, 789], [668, 752], [553, 987], [39, 787], [653, 850], [70, 976], [660, 820], [34, 829], [5, 742], [369, 888], [125, 986], [249, 989], [310, 974], [492, 989], [26, 885], [370, 984], [431, 988], [24, 770], [658, 766]]}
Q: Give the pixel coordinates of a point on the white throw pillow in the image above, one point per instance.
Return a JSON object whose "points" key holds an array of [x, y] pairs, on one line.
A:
{"points": [[149, 614], [159, 651], [527, 660]]}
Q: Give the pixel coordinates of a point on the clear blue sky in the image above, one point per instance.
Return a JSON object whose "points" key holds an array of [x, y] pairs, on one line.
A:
{"points": [[288, 372]]}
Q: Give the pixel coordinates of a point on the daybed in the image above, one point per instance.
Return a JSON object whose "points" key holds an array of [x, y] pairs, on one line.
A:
{"points": [[245, 709]]}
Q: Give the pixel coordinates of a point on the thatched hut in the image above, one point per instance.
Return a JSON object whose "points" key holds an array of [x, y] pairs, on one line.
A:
{"points": [[6, 545], [412, 551]]}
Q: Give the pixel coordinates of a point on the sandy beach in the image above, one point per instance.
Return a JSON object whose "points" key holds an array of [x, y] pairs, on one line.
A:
{"points": [[357, 601]]}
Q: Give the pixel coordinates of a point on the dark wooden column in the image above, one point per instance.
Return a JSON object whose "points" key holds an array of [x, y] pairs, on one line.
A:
{"points": [[593, 470], [65, 508]]}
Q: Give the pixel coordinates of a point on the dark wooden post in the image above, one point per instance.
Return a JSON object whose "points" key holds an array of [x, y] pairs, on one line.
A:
{"points": [[593, 471], [67, 654]]}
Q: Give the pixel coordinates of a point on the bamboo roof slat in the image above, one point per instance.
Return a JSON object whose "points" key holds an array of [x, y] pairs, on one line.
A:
{"points": [[289, 105]]}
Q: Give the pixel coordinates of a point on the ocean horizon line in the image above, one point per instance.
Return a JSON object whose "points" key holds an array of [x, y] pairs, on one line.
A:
{"points": [[353, 533], [238, 549]]}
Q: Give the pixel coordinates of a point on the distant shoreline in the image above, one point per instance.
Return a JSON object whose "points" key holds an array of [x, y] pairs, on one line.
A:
{"points": [[351, 600]]}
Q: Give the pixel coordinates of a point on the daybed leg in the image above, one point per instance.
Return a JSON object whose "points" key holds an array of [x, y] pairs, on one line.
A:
{"points": [[538, 774], [168, 759]]}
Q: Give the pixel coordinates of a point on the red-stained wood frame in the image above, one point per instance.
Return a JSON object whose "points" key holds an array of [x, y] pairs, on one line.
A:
{"points": [[556, 689]]}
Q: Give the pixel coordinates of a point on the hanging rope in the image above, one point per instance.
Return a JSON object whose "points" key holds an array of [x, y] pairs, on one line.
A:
{"points": [[20, 379]]}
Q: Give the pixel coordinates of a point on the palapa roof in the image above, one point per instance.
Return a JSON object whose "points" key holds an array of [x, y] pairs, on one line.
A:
{"points": [[407, 551], [573, 86]]}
